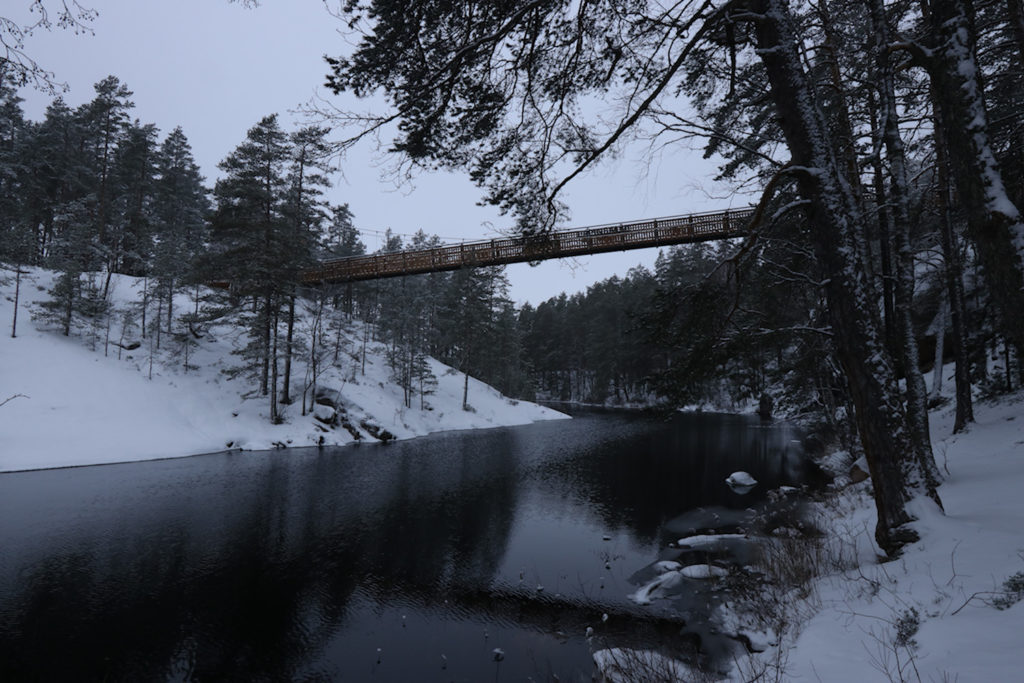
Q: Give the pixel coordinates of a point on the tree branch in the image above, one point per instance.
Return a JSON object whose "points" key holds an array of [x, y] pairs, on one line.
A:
{"points": [[11, 398]]}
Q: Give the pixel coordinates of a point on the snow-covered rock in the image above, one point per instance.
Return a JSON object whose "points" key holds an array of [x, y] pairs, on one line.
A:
{"points": [[741, 479], [324, 413], [666, 566], [741, 482], [703, 571], [706, 540]]}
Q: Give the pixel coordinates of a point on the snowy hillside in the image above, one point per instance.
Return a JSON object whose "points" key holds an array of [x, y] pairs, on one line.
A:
{"points": [[88, 399]]}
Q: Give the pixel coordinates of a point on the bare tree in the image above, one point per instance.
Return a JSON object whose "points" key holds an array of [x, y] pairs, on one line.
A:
{"points": [[20, 66]]}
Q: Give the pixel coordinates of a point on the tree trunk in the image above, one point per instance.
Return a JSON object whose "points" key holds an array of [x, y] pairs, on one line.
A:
{"points": [[366, 332], [69, 308], [953, 273], [993, 221], [265, 350], [1006, 361], [145, 304], [17, 296], [315, 334], [286, 396], [916, 392], [884, 243], [834, 213], [1015, 15], [840, 126], [274, 418], [170, 303], [941, 323]]}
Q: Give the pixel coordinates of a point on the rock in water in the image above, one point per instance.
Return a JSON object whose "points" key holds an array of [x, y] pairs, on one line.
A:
{"points": [[741, 482]]}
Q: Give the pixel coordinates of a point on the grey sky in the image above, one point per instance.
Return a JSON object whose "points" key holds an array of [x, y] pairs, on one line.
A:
{"points": [[216, 68]]}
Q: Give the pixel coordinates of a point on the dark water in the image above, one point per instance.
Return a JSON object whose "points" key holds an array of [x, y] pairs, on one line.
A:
{"points": [[406, 562]]}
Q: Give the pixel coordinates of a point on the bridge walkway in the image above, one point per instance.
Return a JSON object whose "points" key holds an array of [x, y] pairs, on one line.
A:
{"points": [[656, 232]]}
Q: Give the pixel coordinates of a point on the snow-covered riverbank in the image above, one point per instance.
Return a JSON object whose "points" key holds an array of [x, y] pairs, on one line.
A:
{"points": [[948, 609], [76, 405]]}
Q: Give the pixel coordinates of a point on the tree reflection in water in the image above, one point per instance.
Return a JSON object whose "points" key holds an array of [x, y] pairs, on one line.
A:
{"points": [[299, 564]]}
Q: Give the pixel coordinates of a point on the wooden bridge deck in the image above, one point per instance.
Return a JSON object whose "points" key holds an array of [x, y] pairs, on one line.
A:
{"points": [[697, 227]]}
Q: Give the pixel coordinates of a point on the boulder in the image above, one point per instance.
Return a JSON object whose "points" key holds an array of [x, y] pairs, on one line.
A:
{"points": [[857, 475], [325, 413], [326, 396]]}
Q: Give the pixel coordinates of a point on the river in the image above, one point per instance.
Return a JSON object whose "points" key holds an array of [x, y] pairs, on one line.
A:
{"points": [[411, 561]]}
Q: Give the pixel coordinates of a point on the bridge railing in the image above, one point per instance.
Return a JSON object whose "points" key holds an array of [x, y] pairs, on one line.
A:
{"points": [[574, 242]]}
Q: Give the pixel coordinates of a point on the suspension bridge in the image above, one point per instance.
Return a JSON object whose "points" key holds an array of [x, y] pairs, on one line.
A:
{"points": [[653, 232]]}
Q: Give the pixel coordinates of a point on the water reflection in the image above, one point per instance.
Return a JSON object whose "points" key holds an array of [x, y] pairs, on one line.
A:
{"points": [[406, 562]]}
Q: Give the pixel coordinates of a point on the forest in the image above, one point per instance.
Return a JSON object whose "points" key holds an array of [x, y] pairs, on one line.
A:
{"points": [[886, 142]]}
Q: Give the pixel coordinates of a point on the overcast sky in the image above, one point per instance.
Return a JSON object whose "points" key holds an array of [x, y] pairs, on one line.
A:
{"points": [[216, 68]]}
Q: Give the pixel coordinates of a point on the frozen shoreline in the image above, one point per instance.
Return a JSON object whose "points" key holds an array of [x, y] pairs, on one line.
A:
{"points": [[80, 407], [932, 614]]}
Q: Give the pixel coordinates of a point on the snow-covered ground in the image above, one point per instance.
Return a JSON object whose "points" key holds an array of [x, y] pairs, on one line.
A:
{"points": [[930, 615], [80, 405]]}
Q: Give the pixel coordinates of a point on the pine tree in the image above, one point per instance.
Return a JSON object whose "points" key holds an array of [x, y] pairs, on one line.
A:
{"points": [[59, 175], [305, 210], [133, 180], [253, 246], [15, 234], [104, 124], [71, 257], [466, 321], [179, 208], [341, 239]]}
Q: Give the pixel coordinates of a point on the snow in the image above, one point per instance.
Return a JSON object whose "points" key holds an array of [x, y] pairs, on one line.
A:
{"points": [[703, 571], [660, 587], [706, 539], [671, 578], [940, 591], [82, 407], [665, 566], [741, 479]]}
